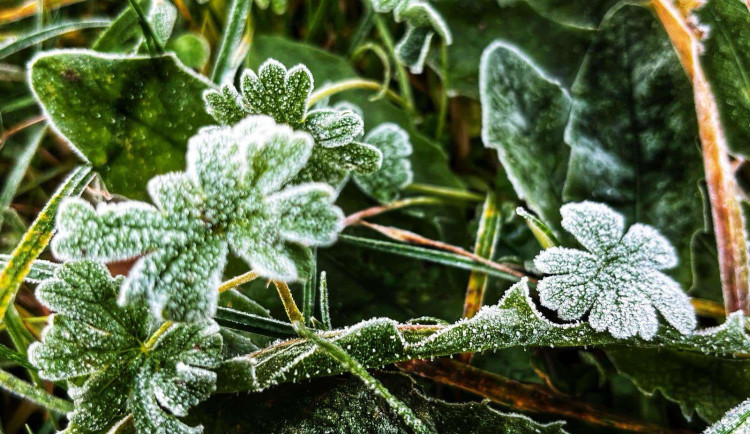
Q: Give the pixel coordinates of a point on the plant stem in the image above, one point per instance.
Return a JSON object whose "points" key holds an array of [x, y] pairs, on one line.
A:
{"points": [[152, 340], [353, 83], [443, 103], [237, 281], [524, 396], [722, 186], [36, 395], [146, 26], [401, 75], [341, 356], [380, 209], [446, 192], [411, 237]]}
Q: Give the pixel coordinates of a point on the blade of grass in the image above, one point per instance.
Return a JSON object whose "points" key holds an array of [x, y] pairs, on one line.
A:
{"points": [[40, 269], [15, 175], [36, 395], [8, 355], [234, 29], [430, 255], [37, 237], [49, 32], [238, 320], [309, 289], [30, 7], [325, 309]]}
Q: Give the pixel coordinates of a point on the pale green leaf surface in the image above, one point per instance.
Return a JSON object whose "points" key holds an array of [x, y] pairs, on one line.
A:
{"points": [[386, 183], [192, 49], [130, 117], [125, 35], [633, 130], [618, 280], [232, 196], [98, 346], [524, 113]]}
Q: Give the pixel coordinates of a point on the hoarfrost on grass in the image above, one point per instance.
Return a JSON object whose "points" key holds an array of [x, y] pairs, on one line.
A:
{"points": [[618, 280], [232, 195]]}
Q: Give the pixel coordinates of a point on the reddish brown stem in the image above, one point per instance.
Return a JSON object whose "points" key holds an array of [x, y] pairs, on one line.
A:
{"points": [[525, 396], [722, 186]]}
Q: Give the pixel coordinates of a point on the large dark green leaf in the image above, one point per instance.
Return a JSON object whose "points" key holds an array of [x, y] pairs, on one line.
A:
{"points": [[633, 130], [584, 14], [345, 405], [524, 114], [726, 62], [708, 385], [129, 116]]}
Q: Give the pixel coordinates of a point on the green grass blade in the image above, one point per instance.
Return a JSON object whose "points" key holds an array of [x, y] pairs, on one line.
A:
{"points": [[40, 269], [36, 395], [8, 355], [238, 320], [487, 235], [37, 237], [444, 258], [225, 65], [41, 35], [13, 180]]}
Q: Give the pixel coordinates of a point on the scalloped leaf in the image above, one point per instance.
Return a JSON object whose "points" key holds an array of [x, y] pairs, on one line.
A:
{"points": [[100, 348], [232, 195], [386, 183]]}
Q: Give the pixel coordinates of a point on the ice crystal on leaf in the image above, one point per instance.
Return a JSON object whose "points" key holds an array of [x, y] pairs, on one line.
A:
{"points": [[422, 23], [231, 196], [395, 172], [284, 95], [618, 280], [100, 348]]}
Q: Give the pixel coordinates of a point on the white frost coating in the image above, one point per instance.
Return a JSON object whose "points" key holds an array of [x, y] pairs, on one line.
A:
{"points": [[395, 171], [619, 281], [231, 195], [735, 421]]}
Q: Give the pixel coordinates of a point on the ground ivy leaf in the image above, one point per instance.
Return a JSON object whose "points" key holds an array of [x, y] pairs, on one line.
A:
{"points": [[99, 347], [395, 172], [633, 130], [232, 195], [700, 383], [513, 322], [619, 280], [129, 116], [284, 95], [726, 62], [524, 113]]}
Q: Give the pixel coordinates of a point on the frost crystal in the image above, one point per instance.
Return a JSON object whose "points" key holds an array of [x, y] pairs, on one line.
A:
{"points": [[230, 196], [422, 23], [284, 95], [618, 280], [395, 172], [100, 348]]}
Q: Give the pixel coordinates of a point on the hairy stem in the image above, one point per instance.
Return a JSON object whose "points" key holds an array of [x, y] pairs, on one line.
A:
{"points": [[292, 311], [152, 340], [524, 396], [722, 186], [237, 281], [350, 84]]}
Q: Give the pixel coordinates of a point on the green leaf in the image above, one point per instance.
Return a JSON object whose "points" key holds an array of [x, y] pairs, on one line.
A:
{"points": [[113, 368], [346, 405], [385, 184], [129, 116], [20, 263], [698, 382], [226, 63], [232, 195], [192, 49], [633, 130], [514, 322], [736, 421], [125, 35], [585, 15], [524, 113], [618, 281], [726, 61], [49, 32]]}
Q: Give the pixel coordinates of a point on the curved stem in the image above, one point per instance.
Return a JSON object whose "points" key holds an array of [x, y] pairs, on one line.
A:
{"points": [[152, 340], [354, 83], [401, 75], [237, 281], [380, 209]]}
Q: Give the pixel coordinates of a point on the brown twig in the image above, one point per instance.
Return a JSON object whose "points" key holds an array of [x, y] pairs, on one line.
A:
{"points": [[380, 209], [525, 396], [722, 186], [10, 132], [411, 237]]}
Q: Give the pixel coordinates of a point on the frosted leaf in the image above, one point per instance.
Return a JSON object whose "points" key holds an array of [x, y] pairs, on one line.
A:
{"points": [[98, 346], [422, 23], [395, 173], [619, 280], [284, 95], [232, 195], [735, 421]]}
